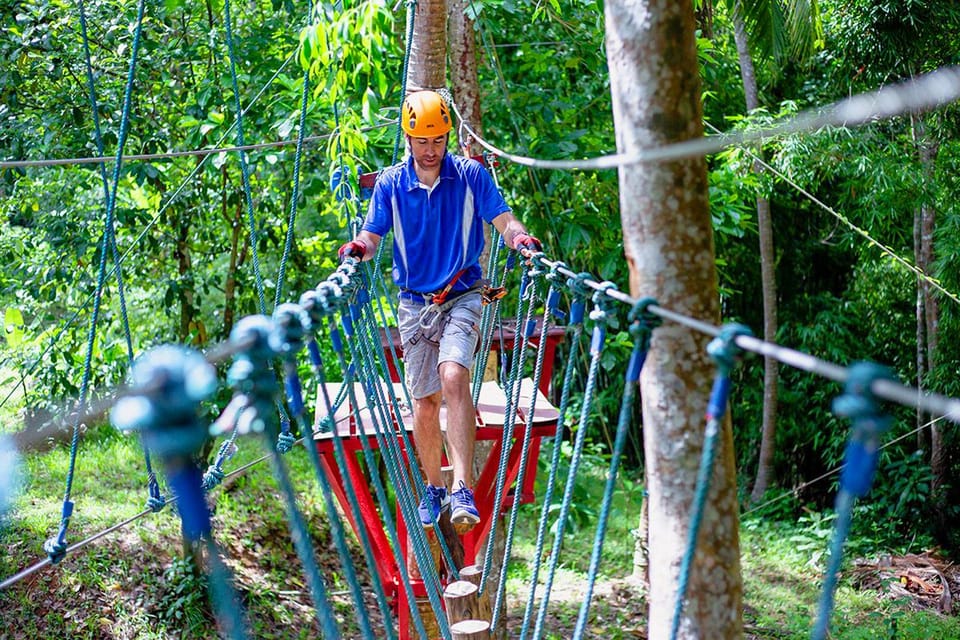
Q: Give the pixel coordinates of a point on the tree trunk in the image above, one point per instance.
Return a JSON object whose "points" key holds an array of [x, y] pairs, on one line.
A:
{"points": [[768, 279], [428, 50], [705, 19], [463, 72], [929, 320], [230, 281], [923, 436], [668, 240]]}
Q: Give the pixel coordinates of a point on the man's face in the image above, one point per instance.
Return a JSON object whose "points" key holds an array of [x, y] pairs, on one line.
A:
{"points": [[428, 152]]}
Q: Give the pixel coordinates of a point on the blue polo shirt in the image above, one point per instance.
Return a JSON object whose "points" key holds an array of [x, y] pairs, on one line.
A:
{"points": [[436, 232]]}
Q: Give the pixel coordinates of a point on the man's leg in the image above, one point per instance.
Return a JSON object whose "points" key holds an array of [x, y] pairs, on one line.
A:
{"points": [[461, 421], [423, 383], [427, 437], [457, 346]]}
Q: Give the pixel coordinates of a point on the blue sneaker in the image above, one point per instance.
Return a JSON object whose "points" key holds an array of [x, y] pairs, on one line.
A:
{"points": [[464, 509], [434, 501]]}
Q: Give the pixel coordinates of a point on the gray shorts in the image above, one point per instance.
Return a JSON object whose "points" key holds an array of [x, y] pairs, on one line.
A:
{"points": [[452, 337]]}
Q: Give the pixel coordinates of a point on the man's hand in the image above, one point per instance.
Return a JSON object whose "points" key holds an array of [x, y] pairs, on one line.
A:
{"points": [[353, 249], [526, 241]]}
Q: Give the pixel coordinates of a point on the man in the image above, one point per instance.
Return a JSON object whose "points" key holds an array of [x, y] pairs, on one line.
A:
{"points": [[435, 204]]}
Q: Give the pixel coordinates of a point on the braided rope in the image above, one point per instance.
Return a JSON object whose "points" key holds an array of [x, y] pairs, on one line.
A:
{"points": [[56, 547], [598, 315], [244, 167]]}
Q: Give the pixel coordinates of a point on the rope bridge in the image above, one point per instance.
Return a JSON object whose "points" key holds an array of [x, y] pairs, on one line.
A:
{"points": [[421, 576]]}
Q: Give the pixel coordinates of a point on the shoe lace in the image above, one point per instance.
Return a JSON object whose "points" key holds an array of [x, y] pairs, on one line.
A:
{"points": [[435, 494], [463, 492]]}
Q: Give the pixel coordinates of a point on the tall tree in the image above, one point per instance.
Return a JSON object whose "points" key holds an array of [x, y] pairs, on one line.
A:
{"points": [[428, 48], [668, 240], [885, 42], [463, 71], [776, 31]]}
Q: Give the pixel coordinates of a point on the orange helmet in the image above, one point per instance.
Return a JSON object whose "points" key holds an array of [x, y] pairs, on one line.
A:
{"points": [[425, 115]]}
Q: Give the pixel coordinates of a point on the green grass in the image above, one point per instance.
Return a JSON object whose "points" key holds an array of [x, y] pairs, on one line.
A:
{"points": [[133, 584]]}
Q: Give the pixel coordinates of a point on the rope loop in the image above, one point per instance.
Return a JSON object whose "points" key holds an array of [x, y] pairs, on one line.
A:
{"points": [[724, 348], [157, 501]]}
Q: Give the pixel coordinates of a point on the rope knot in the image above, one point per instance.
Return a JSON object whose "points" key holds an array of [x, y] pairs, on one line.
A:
{"points": [[212, 478], [291, 324], [578, 284], [285, 442], [554, 274], [56, 548], [601, 301], [251, 374], [156, 503], [168, 383], [859, 403], [724, 348], [643, 321]]}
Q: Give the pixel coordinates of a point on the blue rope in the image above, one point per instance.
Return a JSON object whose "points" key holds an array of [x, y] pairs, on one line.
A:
{"points": [[642, 324], [869, 422], [509, 418], [252, 376], [534, 274], [411, 13], [56, 547], [295, 195], [402, 481], [599, 316], [292, 322], [384, 402], [315, 317], [385, 512], [576, 321], [156, 500], [724, 351], [244, 168]]}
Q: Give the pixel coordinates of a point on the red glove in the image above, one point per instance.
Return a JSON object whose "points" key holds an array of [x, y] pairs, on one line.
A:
{"points": [[353, 249], [526, 241]]}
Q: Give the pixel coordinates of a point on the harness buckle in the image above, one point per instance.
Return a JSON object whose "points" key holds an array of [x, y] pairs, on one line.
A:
{"points": [[489, 294]]}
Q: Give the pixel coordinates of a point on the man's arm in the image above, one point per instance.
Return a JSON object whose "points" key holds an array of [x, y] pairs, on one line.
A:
{"points": [[513, 230]]}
